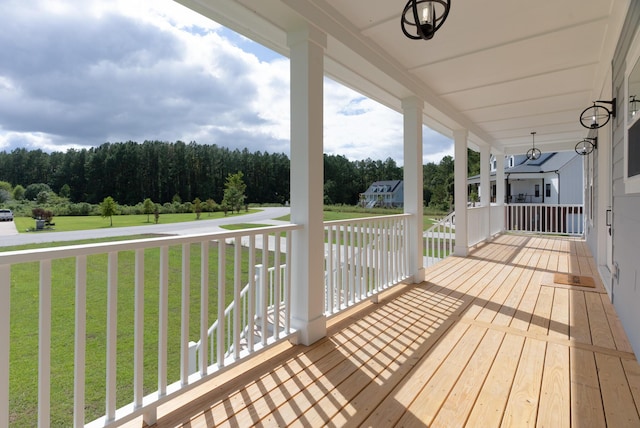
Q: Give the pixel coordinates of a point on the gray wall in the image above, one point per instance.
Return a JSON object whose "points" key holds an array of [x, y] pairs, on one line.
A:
{"points": [[626, 207]]}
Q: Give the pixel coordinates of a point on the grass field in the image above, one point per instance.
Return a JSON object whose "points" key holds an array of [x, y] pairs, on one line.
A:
{"points": [[71, 223]]}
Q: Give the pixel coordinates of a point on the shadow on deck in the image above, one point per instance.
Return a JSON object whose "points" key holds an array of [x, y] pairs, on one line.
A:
{"points": [[487, 340]]}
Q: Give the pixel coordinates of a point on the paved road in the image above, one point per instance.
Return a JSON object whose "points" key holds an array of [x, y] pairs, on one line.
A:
{"points": [[10, 237]]}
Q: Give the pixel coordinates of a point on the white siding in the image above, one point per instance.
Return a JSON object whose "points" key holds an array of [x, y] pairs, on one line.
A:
{"points": [[571, 182]]}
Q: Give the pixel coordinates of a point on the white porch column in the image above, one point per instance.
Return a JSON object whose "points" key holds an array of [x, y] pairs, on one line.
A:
{"points": [[500, 183], [307, 74], [485, 185], [413, 185], [460, 193]]}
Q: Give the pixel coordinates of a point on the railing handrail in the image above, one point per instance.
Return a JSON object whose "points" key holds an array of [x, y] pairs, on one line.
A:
{"points": [[449, 218], [62, 252], [361, 220], [542, 204]]}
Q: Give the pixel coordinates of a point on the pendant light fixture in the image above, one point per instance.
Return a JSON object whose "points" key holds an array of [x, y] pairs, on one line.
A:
{"points": [[533, 153], [422, 18]]}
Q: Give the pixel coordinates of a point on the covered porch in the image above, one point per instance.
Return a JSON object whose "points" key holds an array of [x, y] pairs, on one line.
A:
{"points": [[487, 340]]}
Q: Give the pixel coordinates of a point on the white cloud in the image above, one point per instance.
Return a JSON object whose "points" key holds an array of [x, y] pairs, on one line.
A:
{"points": [[80, 73]]}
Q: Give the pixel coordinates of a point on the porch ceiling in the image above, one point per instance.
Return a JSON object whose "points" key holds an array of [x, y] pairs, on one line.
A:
{"points": [[498, 69]]}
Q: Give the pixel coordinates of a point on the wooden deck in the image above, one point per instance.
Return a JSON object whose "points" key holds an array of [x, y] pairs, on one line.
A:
{"points": [[488, 340]]}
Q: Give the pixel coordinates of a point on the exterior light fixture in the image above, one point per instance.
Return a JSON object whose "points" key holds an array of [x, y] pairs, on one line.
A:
{"points": [[597, 116], [427, 16], [586, 146], [533, 153], [633, 109]]}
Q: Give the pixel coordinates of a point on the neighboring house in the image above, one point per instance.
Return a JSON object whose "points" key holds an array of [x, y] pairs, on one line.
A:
{"points": [[554, 178], [388, 194]]}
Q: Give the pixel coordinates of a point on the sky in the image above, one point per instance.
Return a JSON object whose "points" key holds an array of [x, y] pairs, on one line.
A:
{"points": [[79, 73]]}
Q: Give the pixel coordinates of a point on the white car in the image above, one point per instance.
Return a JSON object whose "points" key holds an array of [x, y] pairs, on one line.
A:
{"points": [[6, 215]]}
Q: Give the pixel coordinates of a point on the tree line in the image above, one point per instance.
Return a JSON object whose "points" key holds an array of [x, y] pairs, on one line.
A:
{"points": [[131, 172]]}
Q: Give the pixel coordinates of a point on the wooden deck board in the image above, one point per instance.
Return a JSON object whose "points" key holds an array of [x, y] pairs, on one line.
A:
{"points": [[486, 341]]}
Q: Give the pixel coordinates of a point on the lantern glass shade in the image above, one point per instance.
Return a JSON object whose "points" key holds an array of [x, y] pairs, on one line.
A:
{"points": [[422, 18]]}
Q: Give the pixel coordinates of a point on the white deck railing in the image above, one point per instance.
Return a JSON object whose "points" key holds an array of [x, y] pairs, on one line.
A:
{"points": [[363, 257], [545, 218], [439, 239], [251, 321], [173, 271]]}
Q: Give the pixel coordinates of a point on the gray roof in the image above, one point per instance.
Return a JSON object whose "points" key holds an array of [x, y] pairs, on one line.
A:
{"points": [[548, 162], [390, 185]]}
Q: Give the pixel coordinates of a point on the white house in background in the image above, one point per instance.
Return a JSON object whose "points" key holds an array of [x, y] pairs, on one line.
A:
{"points": [[388, 194], [554, 178]]}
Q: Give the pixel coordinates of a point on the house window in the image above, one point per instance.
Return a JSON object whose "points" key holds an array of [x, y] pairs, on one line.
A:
{"points": [[632, 121], [547, 190], [537, 190]]}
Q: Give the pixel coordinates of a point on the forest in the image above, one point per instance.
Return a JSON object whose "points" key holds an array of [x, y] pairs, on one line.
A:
{"points": [[131, 172]]}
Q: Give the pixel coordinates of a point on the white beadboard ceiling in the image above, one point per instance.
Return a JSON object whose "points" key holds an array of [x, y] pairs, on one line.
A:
{"points": [[500, 69]]}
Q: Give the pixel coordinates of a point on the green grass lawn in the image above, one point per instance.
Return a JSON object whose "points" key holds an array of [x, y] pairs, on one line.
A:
{"points": [[71, 223]]}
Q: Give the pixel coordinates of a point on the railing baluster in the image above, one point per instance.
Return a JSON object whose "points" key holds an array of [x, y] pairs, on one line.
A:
{"points": [[138, 331], [287, 296], [163, 321], [366, 257], [204, 307], [112, 333], [345, 265], [221, 300], [252, 293], [80, 341], [329, 266], [350, 245], [264, 290], [237, 287], [359, 245], [44, 346], [184, 318], [276, 287]]}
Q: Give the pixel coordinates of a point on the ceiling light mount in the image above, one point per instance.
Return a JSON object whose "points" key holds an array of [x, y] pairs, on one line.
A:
{"points": [[597, 116], [533, 153], [422, 18], [586, 146]]}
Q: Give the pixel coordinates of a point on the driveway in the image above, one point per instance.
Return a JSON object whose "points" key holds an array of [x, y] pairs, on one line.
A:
{"points": [[265, 216], [7, 228]]}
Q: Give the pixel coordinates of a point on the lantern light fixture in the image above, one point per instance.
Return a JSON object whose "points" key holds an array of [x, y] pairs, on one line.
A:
{"points": [[422, 18], [586, 146], [634, 105], [597, 116], [533, 153]]}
